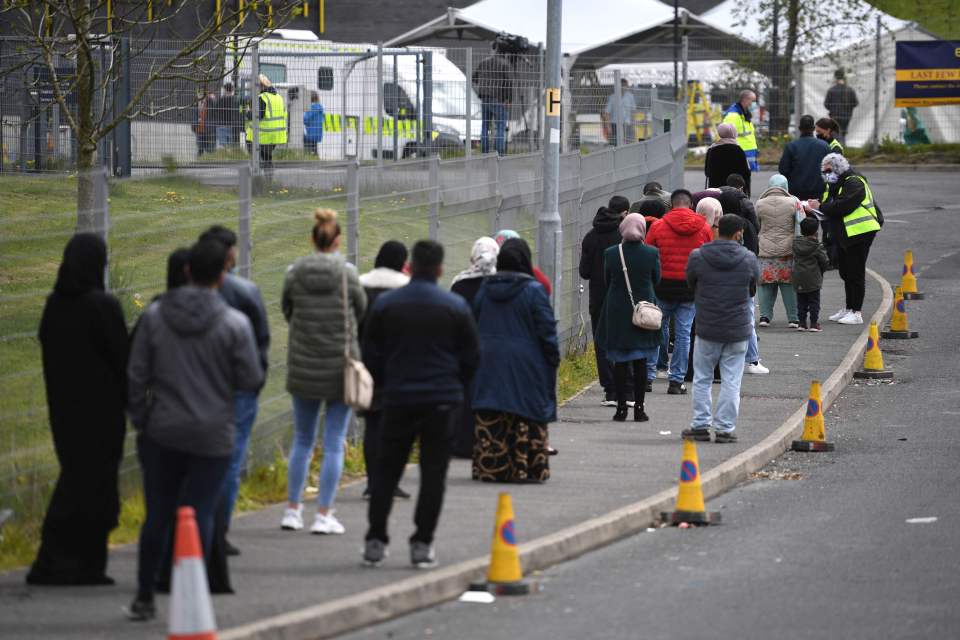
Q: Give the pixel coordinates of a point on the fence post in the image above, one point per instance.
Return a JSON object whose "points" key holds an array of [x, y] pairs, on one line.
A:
{"points": [[255, 109], [468, 113], [493, 179], [876, 93], [618, 99], [353, 212], [435, 198], [798, 95], [549, 223], [428, 101], [122, 160], [576, 284], [379, 104], [243, 226], [101, 214], [684, 69]]}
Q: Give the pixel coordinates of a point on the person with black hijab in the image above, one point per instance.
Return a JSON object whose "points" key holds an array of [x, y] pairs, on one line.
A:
{"points": [[83, 339]]}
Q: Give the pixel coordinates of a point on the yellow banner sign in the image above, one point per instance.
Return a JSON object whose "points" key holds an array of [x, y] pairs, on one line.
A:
{"points": [[927, 75]]}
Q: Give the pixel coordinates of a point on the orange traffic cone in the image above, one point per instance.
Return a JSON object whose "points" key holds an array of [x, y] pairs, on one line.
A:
{"points": [[690, 507], [191, 612], [909, 279], [504, 576], [873, 368], [899, 326], [814, 436]]}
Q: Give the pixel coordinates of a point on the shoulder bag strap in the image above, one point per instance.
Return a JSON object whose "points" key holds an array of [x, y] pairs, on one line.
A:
{"points": [[346, 317], [626, 274]]}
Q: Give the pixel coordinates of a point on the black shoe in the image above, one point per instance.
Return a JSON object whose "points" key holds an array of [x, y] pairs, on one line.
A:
{"points": [[649, 386], [639, 415], [229, 549], [725, 436], [700, 435], [366, 493], [621, 414], [141, 610], [676, 388], [400, 493]]}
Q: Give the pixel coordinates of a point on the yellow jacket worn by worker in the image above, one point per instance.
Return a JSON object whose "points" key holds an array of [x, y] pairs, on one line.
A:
{"points": [[859, 212], [273, 119], [746, 137]]}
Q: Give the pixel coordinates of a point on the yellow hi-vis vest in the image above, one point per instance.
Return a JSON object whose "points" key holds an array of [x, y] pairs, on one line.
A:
{"points": [[863, 219], [835, 146], [273, 126], [746, 137]]}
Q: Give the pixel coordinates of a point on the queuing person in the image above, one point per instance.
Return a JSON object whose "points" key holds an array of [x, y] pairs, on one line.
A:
{"points": [[228, 118], [778, 213], [739, 115], [623, 112], [83, 342], [466, 284], [313, 124], [514, 392], [827, 129], [651, 209], [725, 157], [204, 124], [723, 275], [810, 261], [854, 219], [508, 234], [387, 274], [190, 356], [313, 305], [632, 350], [420, 345], [710, 210], [676, 235], [800, 162], [840, 102], [244, 296], [605, 233], [654, 190]]}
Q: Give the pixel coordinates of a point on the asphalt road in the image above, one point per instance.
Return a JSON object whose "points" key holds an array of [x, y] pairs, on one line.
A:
{"points": [[818, 545]]}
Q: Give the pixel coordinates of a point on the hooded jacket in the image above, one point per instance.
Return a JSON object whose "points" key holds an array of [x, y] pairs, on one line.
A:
{"points": [[192, 352], [605, 233], [809, 262], [244, 296], [676, 235], [519, 349], [800, 163], [724, 277], [777, 214], [380, 280], [312, 304]]}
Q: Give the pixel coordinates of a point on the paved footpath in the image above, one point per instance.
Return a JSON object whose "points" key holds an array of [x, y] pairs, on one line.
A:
{"points": [[602, 466]]}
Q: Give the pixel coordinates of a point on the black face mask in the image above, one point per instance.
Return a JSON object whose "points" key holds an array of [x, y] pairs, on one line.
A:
{"points": [[821, 137]]}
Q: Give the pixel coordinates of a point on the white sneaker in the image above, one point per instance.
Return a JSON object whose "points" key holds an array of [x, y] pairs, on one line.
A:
{"points": [[292, 519], [756, 369], [327, 525], [854, 317], [839, 314]]}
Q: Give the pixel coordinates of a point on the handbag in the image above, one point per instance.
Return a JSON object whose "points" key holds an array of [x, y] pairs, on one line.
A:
{"points": [[357, 381], [646, 315]]}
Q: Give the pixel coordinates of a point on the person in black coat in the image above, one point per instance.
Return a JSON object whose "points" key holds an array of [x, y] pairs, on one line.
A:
{"points": [[605, 233], [725, 157], [83, 338], [734, 199]]}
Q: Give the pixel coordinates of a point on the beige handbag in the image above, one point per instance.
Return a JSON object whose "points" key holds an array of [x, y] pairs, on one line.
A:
{"points": [[646, 315], [357, 381]]}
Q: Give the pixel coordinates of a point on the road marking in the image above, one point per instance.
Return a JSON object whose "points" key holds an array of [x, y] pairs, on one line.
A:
{"points": [[926, 520]]}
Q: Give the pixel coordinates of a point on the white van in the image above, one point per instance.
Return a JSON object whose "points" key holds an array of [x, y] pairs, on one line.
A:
{"points": [[344, 78]]}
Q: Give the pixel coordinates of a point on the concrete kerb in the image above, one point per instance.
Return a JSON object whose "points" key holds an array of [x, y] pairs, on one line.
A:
{"points": [[418, 592]]}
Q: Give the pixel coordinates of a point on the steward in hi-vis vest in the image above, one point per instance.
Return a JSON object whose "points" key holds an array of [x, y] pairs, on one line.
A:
{"points": [[739, 115]]}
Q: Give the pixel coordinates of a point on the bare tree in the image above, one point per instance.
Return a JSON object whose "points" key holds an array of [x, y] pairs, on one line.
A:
{"points": [[86, 35]]}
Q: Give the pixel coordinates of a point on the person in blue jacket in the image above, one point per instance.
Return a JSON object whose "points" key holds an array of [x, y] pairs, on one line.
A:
{"points": [[313, 124], [514, 391]]}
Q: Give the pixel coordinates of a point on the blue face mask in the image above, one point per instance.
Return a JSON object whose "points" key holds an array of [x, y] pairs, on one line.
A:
{"points": [[830, 178]]}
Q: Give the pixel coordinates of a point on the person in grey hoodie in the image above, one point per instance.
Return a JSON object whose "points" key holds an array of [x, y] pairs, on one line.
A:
{"points": [[190, 356], [724, 276], [313, 305]]}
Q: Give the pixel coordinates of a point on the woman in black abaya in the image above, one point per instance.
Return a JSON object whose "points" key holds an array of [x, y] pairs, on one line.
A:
{"points": [[83, 338]]}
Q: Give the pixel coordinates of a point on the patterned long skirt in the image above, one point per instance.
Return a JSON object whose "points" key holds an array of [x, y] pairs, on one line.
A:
{"points": [[509, 448]]}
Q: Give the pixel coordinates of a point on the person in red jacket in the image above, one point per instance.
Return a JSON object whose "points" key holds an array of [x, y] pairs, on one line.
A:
{"points": [[676, 235]]}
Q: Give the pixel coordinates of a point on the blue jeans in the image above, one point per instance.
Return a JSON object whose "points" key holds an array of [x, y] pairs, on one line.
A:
{"points": [[706, 355], [753, 348], [244, 415], [495, 113], [683, 314], [223, 137], [306, 421]]}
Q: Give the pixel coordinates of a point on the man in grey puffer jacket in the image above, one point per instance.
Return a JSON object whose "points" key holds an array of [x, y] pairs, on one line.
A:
{"points": [[723, 276], [191, 354]]}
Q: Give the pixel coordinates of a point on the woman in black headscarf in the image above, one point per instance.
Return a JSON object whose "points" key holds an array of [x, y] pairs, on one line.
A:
{"points": [[83, 338]]}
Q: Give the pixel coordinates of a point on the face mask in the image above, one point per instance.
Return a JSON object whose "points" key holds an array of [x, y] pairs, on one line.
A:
{"points": [[830, 178], [821, 137]]}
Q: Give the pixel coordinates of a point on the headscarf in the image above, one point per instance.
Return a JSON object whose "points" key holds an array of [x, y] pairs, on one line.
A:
{"points": [[838, 163], [505, 234], [515, 256], [82, 269], [652, 207], [726, 134], [779, 181], [483, 260], [633, 228], [392, 255], [710, 209]]}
